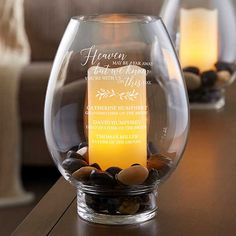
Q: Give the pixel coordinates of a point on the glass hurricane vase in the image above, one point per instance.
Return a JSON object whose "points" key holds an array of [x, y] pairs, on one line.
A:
{"points": [[116, 114], [204, 34]]}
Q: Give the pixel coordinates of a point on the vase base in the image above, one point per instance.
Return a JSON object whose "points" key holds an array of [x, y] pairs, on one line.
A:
{"points": [[209, 106], [117, 209], [116, 220]]}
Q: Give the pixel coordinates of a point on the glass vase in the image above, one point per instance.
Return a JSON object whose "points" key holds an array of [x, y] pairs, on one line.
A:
{"points": [[204, 34], [116, 114]]}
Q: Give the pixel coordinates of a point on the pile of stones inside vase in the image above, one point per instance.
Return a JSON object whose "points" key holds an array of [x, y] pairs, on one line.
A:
{"points": [[206, 86], [117, 181]]}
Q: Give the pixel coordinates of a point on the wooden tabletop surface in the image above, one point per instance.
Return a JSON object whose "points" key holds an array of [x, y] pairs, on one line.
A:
{"points": [[199, 199]]}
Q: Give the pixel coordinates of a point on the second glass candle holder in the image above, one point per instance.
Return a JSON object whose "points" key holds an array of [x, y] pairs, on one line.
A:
{"points": [[204, 33]]}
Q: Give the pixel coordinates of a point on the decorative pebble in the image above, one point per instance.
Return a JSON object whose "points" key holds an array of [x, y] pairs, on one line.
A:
{"points": [[89, 199], [83, 173], [133, 175], [209, 78], [119, 205], [146, 203], [129, 206], [82, 151], [211, 81], [113, 170], [193, 96], [223, 77], [101, 178], [73, 164], [153, 177], [103, 202], [156, 162], [222, 66], [112, 205], [211, 96], [145, 198], [96, 166], [73, 154], [136, 164], [192, 69], [205, 95], [193, 81], [95, 202]]}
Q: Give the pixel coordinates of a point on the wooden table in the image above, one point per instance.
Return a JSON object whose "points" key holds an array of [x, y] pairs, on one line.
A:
{"points": [[199, 199]]}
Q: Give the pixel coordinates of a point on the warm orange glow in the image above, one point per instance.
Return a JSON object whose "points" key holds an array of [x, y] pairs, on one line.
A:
{"points": [[116, 18], [117, 115], [199, 38]]}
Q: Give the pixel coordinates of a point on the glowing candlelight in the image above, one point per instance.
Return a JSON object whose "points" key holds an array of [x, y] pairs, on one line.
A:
{"points": [[199, 38], [117, 115]]}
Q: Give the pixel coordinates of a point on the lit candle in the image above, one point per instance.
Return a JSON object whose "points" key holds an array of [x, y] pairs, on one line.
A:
{"points": [[199, 38], [117, 116]]}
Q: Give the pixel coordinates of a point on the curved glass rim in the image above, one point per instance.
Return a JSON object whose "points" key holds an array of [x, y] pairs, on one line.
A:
{"points": [[117, 18]]}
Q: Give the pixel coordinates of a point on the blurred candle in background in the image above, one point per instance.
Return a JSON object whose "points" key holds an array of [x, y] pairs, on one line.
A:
{"points": [[199, 38]]}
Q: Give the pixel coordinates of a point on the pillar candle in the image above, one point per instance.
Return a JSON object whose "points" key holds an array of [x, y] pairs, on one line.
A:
{"points": [[199, 38], [117, 116]]}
